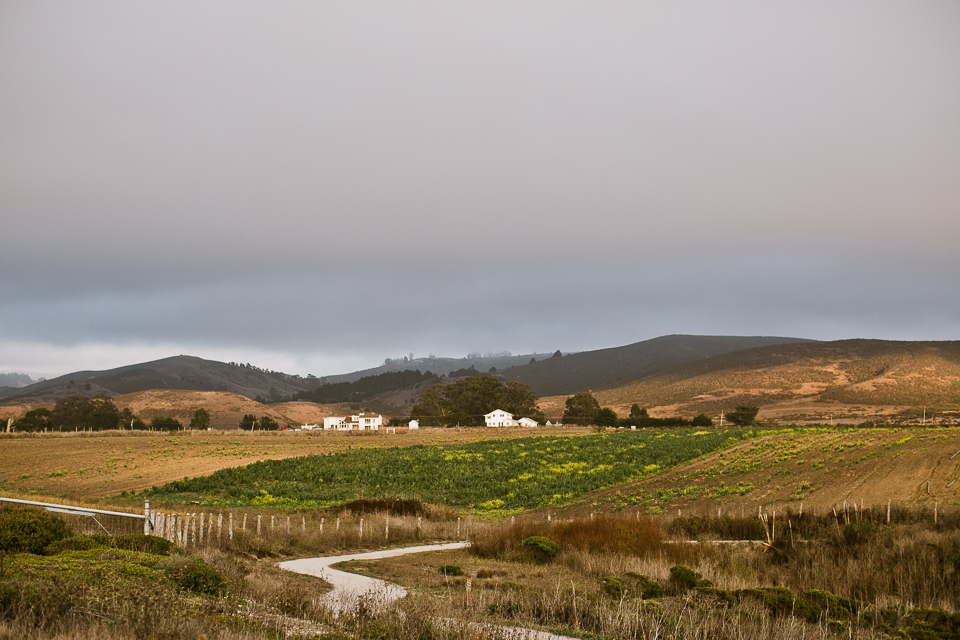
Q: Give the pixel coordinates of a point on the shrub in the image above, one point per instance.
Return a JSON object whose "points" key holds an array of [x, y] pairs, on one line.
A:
{"points": [[197, 576], [542, 549], [683, 579], [451, 570], [646, 586], [77, 543], [613, 587], [144, 544], [30, 530], [128, 542]]}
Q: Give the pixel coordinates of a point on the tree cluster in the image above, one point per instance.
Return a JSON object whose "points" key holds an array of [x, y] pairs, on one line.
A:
{"points": [[78, 413], [743, 415], [640, 418], [584, 409], [466, 401], [465, 372], [365, 387], [250, 422]]}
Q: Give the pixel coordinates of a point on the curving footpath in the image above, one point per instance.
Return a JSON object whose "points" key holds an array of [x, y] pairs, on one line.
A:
{"points": [[348, 588]]}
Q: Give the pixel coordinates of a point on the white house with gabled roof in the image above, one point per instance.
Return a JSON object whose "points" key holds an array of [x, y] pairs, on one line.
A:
{"points": [[500, 418], [362, 422]]}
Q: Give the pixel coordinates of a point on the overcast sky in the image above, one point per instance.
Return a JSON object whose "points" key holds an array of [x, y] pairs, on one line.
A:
{"points": [[315, 186]]}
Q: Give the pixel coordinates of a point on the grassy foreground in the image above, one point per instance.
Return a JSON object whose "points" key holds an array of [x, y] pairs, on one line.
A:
{"points": [[608, 577]]}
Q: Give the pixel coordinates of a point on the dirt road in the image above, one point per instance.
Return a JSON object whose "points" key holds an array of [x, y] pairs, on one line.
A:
{"points": [[349, 587]]}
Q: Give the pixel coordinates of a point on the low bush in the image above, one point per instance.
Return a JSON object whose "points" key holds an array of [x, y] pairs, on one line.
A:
{"points": [[30, 530], [682, 579], [193, 574], [614, 587], [643, 585], [451, 570], [541, 549]]}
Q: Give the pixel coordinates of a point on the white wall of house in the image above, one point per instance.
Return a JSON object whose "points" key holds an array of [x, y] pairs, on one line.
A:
{"points": [[368, 422], [333, 422], [362, 422], [414, 424], [499, 418], [527, 422]]}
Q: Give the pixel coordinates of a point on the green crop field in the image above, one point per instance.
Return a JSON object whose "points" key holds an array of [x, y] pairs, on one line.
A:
{"points": [[489, 476]]}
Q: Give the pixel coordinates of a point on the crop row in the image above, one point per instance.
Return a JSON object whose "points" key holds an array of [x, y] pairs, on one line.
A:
{"points": [[493, 475]]}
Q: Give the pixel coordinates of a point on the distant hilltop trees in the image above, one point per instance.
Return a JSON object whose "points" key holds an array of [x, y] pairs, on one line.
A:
{"points": [[365, 387]]}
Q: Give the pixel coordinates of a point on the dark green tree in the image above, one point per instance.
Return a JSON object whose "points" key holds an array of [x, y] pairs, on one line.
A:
{"points": [[35, 420], [557, 354], [248, 422], [581, 409], [638, 413], [266, 423], [519, 399], [701, 420], [606, 417], [200, 420], [432, 409], [466, 401], [77, 412], [743, 415], [165, 423], [473, 397]]}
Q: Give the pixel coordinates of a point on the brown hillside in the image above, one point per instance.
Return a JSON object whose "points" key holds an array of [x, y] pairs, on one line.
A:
{"points": [[847, 372], [226, 409], [591, 370]]}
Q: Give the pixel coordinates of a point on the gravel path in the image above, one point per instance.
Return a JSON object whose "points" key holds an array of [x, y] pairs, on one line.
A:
{"points": [[349, 587]]}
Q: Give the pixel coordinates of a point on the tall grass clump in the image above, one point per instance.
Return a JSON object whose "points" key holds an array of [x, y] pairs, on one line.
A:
{"points": [[603, 534]]}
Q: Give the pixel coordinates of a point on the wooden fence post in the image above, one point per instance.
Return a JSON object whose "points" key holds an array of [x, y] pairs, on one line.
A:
{"points": [[386, 530], [361, 530], [258, 523], [231, 525], [146, 518]]}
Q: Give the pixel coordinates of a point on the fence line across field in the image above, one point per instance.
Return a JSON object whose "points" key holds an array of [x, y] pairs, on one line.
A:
{"points": [[90, 513]]}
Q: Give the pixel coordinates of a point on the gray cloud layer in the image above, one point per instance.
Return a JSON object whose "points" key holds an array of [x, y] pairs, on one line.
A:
{"points": [[326, 184]]}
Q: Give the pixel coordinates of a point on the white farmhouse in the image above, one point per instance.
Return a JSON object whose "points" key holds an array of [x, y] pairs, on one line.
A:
{"points": [[500, 418], [414, 424], [527, 422], [362, 422]]}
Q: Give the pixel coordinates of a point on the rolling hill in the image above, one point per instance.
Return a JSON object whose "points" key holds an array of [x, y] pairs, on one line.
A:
{"points": [[845, 372], [178, 372], [592, 370]]}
